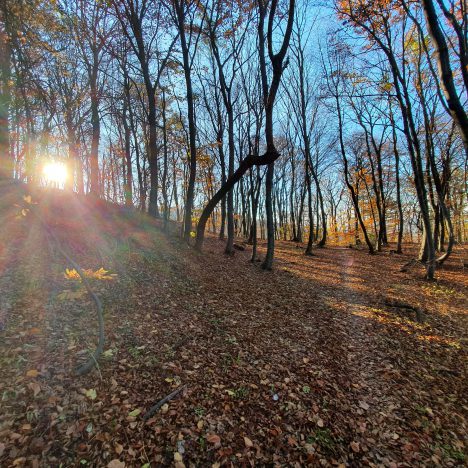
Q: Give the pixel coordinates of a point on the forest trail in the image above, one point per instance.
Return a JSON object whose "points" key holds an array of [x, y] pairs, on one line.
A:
{"points": [[304, 365]]}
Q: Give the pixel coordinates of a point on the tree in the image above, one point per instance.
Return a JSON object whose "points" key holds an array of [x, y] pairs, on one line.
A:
{"points": [[269, 91]]}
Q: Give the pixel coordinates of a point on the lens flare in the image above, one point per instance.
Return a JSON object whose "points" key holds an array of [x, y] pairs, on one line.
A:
{"points": [[55, 173]]}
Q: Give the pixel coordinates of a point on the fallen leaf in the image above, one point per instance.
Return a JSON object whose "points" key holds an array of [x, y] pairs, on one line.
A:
{"points": [[135, 413], [213, 439], [32, 373], [118, 449], [91, 394], [363, 405], [248, 443], [35, 387], [355, 447], [116, 463], [108, 353]]}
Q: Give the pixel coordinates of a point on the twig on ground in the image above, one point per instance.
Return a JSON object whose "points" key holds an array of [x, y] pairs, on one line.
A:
{"points": [[153, 410]]}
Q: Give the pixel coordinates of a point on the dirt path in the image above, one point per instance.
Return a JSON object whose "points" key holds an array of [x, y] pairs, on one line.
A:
{"points": [[370, 366]]}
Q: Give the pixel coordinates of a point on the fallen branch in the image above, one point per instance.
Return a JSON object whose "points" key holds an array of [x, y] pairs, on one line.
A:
{"points": [[154, 409]]}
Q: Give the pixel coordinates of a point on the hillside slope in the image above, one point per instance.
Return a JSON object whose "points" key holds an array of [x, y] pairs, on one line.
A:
{"points": [[313, 363]]}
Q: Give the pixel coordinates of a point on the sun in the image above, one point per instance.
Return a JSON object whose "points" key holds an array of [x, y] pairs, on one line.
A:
{"points": [[55, 173]]}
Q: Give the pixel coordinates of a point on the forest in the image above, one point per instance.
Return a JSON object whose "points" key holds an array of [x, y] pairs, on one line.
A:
{"points": [[233, 233]]}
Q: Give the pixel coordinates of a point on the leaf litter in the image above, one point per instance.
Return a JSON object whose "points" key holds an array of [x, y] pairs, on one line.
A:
{"points": [[304, 365]]}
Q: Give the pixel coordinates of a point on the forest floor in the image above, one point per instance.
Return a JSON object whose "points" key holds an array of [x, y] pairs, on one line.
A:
{"points": [[309, 364]]}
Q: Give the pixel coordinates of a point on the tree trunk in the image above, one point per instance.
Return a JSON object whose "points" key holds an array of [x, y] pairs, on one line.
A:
{"points": [[96, 133], [268, 262]]}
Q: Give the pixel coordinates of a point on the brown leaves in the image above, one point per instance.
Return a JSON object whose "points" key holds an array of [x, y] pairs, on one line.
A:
{"points": [[355, 447], [214, 439], [35, 387], [116, 463], [364, 405], [248, 443]]}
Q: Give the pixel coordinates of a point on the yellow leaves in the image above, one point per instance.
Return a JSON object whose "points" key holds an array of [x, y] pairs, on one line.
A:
{"points": [[32, 373], [100, 274], [24, 210], [71, 274], [385, 85], [91, 394], [108, 353]]}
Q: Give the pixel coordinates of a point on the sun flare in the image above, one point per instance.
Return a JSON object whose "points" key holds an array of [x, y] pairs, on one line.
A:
{"points": [[55, 173]]}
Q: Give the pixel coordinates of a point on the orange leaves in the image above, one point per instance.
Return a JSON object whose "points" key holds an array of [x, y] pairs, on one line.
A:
{"points": [[100, 274], [369, 14]]}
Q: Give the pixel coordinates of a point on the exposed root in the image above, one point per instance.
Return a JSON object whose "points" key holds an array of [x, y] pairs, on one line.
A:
{"points": [[94, 358], [420, 315]]}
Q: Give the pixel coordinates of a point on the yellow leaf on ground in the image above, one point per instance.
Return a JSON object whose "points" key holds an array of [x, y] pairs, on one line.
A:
{"points": [[32, 373]]}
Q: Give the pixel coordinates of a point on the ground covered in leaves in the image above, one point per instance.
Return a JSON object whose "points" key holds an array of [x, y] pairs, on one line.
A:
{"points": [[315, 363]]}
